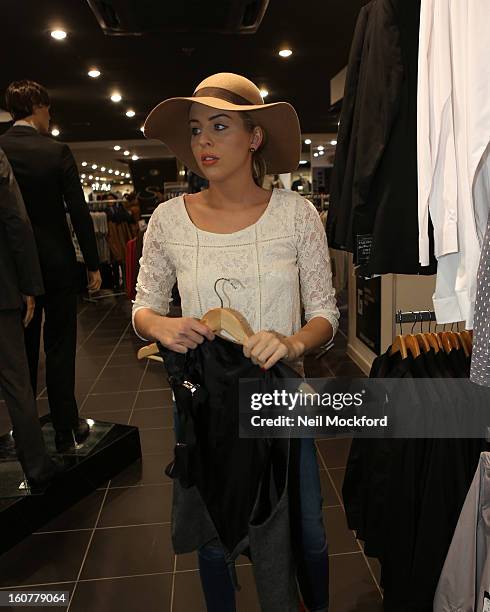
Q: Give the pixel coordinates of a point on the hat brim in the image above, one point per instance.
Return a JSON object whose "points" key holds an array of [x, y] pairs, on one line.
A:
{"points": [[169, 122]]}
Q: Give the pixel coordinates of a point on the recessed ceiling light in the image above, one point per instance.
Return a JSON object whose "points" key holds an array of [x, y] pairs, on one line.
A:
{"points": [[90, 177], [58, 34], [83, 175], [308, 141], [126, 152], [264, 93], [84, 164], [117, 173], [102, 168], [117, 148], [130, 113], [110, 171], [134, 157], [121, 182], [320, 147], [321, 153], [116, 97], [55, 132], [315, 154], [127, 175], [94, 166], [303, 162], [94, 73], [333, 142], [142, 129], [285, 52]]}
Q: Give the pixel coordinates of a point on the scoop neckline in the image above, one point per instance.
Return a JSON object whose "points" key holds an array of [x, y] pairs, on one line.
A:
{"points": [[244, 229]]}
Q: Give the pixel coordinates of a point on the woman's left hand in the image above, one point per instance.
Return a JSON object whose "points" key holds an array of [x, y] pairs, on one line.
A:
{"points": [[266, 348]]}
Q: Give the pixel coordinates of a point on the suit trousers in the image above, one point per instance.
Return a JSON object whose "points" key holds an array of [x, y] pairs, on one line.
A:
{"points": [[60, 343], [17, 392]]}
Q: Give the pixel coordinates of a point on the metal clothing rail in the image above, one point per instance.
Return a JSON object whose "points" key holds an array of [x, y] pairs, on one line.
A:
{"points": [[414, 316]]}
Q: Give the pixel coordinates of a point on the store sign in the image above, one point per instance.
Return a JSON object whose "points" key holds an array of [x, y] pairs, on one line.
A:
{"points": [[101, 186]]}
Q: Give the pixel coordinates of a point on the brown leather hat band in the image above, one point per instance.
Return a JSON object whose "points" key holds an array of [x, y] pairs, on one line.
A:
{"points": [[222, 94]]}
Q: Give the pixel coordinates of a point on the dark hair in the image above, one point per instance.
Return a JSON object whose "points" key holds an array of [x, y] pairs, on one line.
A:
{"points": [[22, 96]]}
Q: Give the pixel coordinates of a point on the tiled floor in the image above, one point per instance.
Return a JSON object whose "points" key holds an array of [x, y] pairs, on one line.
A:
{"points": [[112, 550]]}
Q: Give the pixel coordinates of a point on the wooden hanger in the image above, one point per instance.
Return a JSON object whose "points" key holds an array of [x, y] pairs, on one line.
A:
{"points": [[466, 337], [449, 341], [218, 320], [399, 346], [463, 341], [423, 342]]}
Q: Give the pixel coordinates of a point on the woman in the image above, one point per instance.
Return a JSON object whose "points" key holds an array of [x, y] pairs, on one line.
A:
{"points": [[273, 243]]}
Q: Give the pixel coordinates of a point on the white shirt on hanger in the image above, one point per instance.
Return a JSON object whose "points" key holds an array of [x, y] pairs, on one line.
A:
{"points": [[453, 135]]}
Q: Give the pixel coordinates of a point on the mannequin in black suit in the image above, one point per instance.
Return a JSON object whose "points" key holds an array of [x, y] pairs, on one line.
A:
{"points": [[48, 179], [20, 280]]}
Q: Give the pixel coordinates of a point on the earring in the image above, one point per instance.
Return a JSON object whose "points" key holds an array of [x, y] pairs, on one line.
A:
{"points": [[252, 149]]}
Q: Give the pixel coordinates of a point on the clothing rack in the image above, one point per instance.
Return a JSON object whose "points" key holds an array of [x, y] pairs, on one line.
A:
{"points": [[415, 316]]}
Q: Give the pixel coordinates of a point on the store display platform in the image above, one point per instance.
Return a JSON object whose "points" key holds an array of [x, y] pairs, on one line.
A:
{"points": [[109, 449]]}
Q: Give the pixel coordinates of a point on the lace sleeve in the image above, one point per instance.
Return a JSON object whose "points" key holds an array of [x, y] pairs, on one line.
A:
{"points": [[157, 273], [317, 292]]}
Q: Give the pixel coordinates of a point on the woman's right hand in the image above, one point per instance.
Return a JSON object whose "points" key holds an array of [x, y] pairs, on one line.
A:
{"points": [[180, 334]]}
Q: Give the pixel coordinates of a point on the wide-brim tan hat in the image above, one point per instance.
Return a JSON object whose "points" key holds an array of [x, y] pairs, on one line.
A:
{"points": [[169, 121]]}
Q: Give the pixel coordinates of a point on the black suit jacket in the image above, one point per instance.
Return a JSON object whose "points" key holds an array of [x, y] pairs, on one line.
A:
{"points": [[20, 272], [48, 179], [375, 171]]}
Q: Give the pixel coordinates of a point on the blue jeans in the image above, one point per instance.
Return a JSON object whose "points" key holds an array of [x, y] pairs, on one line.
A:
{"points": [[313, 569]]}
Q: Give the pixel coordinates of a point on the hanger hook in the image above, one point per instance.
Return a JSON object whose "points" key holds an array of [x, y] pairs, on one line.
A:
{"points": [[234, 282], [414, 321], [400, 321], [216, 290], [421, 322]]}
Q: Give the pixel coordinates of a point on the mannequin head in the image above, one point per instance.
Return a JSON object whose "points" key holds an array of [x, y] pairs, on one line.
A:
{"points": [[29, 101], [226, 137]]}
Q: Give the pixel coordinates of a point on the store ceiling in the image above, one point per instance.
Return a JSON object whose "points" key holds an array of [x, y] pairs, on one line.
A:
{"points": [[150, 68]]}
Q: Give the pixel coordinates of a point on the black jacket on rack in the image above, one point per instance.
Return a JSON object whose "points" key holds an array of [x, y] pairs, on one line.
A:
{"points": [[375, 170], [48, 179], [403, 497]]}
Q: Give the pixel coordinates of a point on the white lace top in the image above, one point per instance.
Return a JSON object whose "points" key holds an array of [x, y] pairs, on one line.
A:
{"points": [[279, 261]]}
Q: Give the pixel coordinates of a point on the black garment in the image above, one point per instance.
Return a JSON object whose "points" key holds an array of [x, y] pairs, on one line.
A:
{"points": [[21, 405], [379, 191], [20, 272], [238, 491], [48, 179], [404, 496], [60, 339]]}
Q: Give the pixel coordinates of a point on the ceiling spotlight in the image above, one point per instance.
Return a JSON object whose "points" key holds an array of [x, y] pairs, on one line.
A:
{"points": [[90, 177], [134, 157], [94, 166], [315, 154], [285, 52], [264, 93], [102, 168], [127, 175], [117, 173], [130, 113], [121, 182], [308, 141], [83, 175], [303, 162], [333, 142], [321, 153], [94, 73], [116, 97], [84, 164], [55, 132], [58, 34], [320, 147], [97, 178], [126, 152], [142, 129], [117, 148], [110, 171]]}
